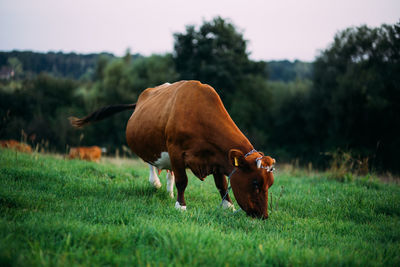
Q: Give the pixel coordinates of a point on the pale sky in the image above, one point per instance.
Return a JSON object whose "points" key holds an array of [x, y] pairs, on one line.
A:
{"points": [[285, 29]]}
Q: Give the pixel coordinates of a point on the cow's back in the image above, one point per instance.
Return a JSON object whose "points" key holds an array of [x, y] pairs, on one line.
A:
{"points": [[185, 113]]}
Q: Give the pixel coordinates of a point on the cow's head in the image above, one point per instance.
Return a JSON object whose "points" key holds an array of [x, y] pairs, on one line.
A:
{"points": [[251, 180]]}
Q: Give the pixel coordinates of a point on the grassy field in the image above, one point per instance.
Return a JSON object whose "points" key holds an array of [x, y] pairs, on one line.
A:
{"points": [[56, 212]]}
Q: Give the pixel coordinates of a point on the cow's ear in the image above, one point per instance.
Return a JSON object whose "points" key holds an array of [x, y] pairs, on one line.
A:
{"points": [[236, 157]]}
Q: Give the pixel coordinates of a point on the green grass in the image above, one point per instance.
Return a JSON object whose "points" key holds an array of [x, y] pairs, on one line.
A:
{"points": [[68, 212]]}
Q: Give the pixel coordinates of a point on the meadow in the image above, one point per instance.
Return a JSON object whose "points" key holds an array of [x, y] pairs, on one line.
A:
{"points": [[58, 212]]}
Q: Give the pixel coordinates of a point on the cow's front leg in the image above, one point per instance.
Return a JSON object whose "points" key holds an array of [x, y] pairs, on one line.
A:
{"points": [[181, 179], [222, 186], [181, 182], [153, 177]]}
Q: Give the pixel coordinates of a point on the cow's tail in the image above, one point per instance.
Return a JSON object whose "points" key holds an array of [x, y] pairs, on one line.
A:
{"points": [[100, 114]]}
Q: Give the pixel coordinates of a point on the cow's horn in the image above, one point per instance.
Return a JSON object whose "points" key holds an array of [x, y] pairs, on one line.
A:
{"points": [[259, 163]]}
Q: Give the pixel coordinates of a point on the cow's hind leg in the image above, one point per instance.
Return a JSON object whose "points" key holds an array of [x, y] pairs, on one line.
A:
{"points": [[222, 186], [153, 177], [170, 183]]}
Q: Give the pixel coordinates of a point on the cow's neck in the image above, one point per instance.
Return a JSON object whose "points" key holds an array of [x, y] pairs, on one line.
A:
{"points": [[232, 140], [241, 143]]}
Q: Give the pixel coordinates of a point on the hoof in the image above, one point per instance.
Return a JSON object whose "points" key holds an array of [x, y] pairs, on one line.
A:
{"points": [[171, 195], [156, 185], [179, 207], [227, 205]]}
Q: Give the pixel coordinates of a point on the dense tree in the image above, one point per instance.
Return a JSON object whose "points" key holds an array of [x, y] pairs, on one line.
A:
{"points": [[289, 126], [153, 70], [215, 54], [357, 91], [287, 71], [39, 109], [58, 64]]}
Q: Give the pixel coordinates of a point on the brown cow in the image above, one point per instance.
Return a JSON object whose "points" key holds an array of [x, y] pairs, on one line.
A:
{"points": [[185, 125], [92, 153], [13, 144]]}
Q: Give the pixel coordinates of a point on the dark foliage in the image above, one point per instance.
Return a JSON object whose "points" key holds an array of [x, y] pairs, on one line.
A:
{"points": [[357, 86], [215, 54], [287, 71], [346, 100], [74, 66], [352, 105]]}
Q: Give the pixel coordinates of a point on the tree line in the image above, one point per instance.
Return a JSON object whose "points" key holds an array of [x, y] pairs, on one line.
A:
{"points": [[346, 100]]}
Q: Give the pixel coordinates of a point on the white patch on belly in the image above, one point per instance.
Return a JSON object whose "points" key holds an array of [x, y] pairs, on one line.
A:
{"points": [[164, 162]]}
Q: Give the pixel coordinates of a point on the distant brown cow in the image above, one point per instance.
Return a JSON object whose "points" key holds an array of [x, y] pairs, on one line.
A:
{"points": [[92, 153], [13, 144]]}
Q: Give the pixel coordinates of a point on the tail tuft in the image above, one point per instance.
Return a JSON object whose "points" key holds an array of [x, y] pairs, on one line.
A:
{"points": [[76, 122]]}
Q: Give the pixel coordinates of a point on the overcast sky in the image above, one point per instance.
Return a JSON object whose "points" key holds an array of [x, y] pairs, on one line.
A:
{"points": [[285, 29]]}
